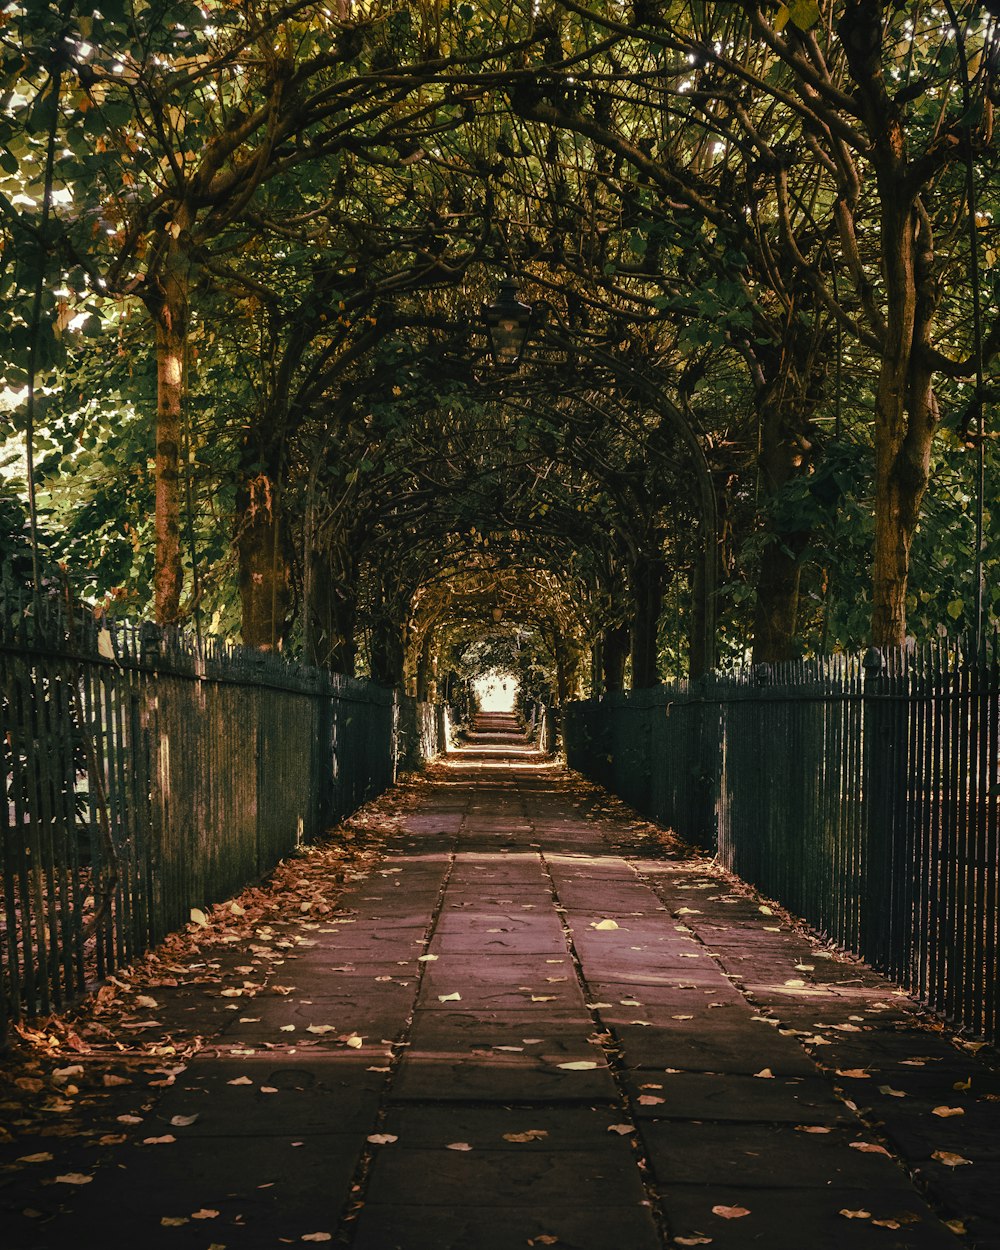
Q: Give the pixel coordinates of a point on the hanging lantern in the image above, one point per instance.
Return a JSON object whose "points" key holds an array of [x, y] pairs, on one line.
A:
{"points": [[508, 323]]}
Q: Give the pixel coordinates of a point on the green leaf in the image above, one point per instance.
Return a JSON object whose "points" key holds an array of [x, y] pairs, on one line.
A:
{"points": [[955, 609], [803, 13]]}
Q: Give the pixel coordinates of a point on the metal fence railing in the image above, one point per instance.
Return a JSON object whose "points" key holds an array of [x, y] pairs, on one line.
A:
{"points": [[863, 794], [147, 773]]}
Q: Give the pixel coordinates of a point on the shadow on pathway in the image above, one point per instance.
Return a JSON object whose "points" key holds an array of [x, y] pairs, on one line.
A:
{"points": [[523, 1029]]}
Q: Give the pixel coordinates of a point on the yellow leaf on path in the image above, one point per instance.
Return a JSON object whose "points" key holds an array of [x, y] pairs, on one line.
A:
{"points": [[650, 1100], [961, 1086], [621, 1129], [949, 1159], [174, 1221], [199, 917], [730, 1213], [240, 1080], [578, 1065], [604, 924], [355, 1042], [868, 1147], [144, 1000], [765, 911], [73, 1178], [856, 1074], [887, 1223], [382, 1139], [316, 1237], [268, 1089], [183, 1121], [543, 1239], [692, 1241], [449, 998], [165, 1140], [426, 959], [892, 1093], [43, 1156], [597, 1006], [957, 1227], [320, 1028], [854, 1215], [945, 1112], [237, 910], [530, 1134], [204, 1214], [795, 982], [765, 1074], [458, 1145], [110, 1079], [543, 998]]}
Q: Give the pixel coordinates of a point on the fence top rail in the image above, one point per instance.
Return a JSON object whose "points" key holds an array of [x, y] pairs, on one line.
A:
{"points": [[942, 669], [77, 636]]}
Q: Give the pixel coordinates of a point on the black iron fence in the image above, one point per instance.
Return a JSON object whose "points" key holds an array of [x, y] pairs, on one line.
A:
{"points": [[148, 773], [863, 794]]}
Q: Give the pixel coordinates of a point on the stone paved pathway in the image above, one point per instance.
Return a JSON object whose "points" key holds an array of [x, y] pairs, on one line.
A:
{"points": [[556, 1040]]}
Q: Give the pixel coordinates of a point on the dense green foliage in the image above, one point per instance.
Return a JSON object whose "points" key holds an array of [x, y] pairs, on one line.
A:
{"points": [[243, 249]]}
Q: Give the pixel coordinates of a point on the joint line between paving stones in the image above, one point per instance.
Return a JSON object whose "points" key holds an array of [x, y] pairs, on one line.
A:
{"points": [[612, 1055], [359, 1181]]}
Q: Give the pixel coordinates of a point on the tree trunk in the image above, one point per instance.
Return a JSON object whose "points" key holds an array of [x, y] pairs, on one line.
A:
{"points": [[782, 412], [647, 585], [906, 414], [168, 306], [615, 648], [262, 548], [334, 612]]}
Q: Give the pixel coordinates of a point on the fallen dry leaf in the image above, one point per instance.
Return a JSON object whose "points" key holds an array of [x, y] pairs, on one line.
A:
{"points": [[765, 1074], [183, 1121], [949, 1159], [204, 1214], [860, 1214], [530, 1134], [382, 1139], [650, 1100], [692, 1241], [946, 1112], [890, 1092], [458, 1145], [578, 1065], [621, 1129], [240, 1080], [812, 1128], [730, 1213], [856, 1074], [449, 998], [43, 1156], [868, 1147], [74, 1178], [165, 1140], [199, 917], [174, 1221], [604, 924], [316, 1237]]}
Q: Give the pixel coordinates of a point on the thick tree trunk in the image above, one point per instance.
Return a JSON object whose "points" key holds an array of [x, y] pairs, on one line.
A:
{"points": [[647, 584], [333, 622], [776, 614], [782, 414], [169, 309], [906, 414], [614, 654], [262, 549]]}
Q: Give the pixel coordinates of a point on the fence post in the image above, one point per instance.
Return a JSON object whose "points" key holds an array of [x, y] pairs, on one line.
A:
{"points": [[886, 931]]}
